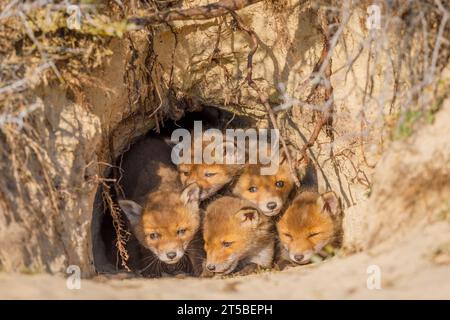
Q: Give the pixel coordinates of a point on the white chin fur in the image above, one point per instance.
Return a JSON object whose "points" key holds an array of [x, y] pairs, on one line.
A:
{"points": [[164, 258], [271, 213]]}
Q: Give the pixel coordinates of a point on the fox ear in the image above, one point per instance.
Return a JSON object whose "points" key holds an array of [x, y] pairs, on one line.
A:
{"points": [[191, 197], [248, 216], [132, 210], [329, 203]]}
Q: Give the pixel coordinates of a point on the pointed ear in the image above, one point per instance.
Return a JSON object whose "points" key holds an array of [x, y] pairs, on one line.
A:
{"points": [[329, 203], [248, 216], [132, 210], [191, 197]]}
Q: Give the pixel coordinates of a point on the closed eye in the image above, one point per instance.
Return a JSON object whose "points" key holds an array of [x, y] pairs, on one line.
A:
{"points": [[287, 235], [227, 244], [314, 234], [181, 232], [210, 174]]}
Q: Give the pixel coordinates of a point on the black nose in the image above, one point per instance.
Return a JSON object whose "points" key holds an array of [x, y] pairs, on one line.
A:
{"points": [[211, 267], [171, 254], [298, 257], [272, 205]]}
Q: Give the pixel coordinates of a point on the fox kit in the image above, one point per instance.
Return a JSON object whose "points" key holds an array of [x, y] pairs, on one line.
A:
{"points": [[163, 217], [308, 225], [268, 192], [211, 178], [237, 237]]}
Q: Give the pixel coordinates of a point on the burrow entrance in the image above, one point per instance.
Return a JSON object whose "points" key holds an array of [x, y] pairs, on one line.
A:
{"points": [[115, 254]]}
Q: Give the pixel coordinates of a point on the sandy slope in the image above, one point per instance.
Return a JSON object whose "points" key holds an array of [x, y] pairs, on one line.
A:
{"points": [[410, 268]]}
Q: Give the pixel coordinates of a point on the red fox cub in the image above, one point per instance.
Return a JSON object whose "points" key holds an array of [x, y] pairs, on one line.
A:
{"points": [[308, 225], [211, 178], [163, 217], [237, 237], [268, 192], [167, 222]]}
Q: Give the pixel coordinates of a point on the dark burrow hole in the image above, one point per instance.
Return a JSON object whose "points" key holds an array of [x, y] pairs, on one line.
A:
{"points": [[107, 259]]}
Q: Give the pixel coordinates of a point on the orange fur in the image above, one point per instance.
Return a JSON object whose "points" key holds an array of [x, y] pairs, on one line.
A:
{"points": [[308, 225], [236, 234], [209, 177], [267, 192], [164, 217]]}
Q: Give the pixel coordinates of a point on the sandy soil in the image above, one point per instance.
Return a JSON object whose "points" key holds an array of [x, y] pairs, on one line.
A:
{"points": [[415, 265]]}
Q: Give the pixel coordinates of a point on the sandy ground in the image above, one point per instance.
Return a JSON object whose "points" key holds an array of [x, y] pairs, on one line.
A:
{"points": [[415, 267]]}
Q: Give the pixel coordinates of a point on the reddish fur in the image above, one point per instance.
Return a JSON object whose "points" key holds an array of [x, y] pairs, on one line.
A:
{"points": [[224, 224], [306, 216], [198, 173], [190, 173], [164, 213], [266, 187], [151, 180]]}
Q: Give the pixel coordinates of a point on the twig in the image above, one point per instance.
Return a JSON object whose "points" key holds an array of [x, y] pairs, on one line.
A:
{"points": [[119, 227], [23, 84], [208, 11], [322, 66], [263, 97], [42, 52]]}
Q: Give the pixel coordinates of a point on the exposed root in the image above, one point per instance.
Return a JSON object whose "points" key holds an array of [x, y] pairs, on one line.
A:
{"points": [[208, 11], [119, 227], [262, 96], [326, 116]]}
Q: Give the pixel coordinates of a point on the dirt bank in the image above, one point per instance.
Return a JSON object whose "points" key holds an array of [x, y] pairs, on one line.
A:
{"points": [[413, 263]]}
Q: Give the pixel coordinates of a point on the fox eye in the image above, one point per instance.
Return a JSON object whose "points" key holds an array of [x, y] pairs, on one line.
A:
{"points": [[287, 235], [314, 234], [227, 244], [210, 174], [154, 235], [181, 232], [279, 184], [185, 173], [253, 189]]}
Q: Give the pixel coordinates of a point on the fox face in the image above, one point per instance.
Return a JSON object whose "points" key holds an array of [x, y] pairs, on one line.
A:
{"points": [[212, 174], [167, 223], [230, 230], [209, 177], [267, 192], [308, 225]]}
